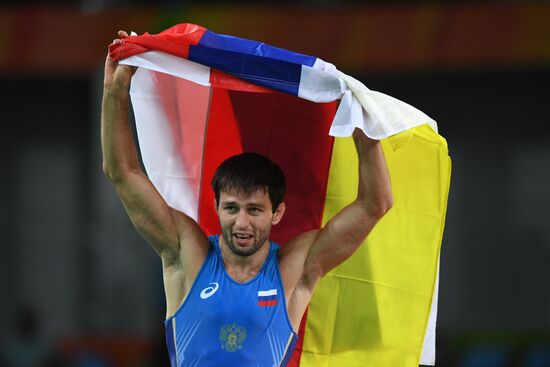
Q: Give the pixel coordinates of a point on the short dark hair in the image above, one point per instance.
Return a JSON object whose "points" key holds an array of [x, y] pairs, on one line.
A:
{"points": [[248, 172]]}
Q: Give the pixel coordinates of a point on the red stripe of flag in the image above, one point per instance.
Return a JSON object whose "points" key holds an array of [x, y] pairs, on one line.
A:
{"points": [[175, 41], [222, 141], [219, 79], [272, 302]]}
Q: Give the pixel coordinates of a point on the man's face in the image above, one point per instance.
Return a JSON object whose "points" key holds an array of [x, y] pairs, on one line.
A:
{"points": [[246, 220]]}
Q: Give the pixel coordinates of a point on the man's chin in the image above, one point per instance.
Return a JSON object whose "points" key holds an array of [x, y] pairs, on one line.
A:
{"points": [[246, 250], [243, 251]]}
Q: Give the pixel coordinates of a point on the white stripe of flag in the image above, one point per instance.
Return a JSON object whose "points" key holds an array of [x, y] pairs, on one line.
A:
{"points": [[271, 292]]}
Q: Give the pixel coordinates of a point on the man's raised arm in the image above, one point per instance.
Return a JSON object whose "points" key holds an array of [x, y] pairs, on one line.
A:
{"points": [[168, 231], [345, 232]]}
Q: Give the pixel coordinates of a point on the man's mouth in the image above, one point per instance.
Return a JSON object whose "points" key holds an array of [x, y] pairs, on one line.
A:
{"points": [[242, 239]]}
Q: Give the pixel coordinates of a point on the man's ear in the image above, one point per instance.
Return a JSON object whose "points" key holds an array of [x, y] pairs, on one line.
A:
{"points": [[216, 205], [278, 214]]}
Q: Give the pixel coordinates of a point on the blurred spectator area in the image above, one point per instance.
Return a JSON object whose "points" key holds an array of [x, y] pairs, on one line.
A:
{"points": [[380, 37], [106, 351]]}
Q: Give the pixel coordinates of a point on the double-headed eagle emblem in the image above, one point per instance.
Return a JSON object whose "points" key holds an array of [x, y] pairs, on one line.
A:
{"points": [[232, 337]]}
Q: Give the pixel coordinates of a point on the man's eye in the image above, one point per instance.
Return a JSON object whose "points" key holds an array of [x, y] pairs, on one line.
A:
{"points": [[231, 209], [254, 210]]}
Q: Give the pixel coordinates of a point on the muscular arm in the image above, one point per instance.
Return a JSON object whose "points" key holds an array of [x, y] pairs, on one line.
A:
{"points": [[174, 236], [315, 253], [343, 234]]}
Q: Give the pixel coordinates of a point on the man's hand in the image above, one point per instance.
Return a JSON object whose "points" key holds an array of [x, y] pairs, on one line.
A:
{"points": [[117, 77]]}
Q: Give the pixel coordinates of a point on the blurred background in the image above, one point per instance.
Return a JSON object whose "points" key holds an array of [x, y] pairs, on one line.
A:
{"points": [[79, 287]]}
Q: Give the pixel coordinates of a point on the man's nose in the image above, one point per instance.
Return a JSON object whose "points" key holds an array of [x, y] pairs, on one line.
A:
{"points": [[242, 220]]}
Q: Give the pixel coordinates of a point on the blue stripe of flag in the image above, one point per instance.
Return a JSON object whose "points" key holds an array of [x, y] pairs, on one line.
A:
{"points": [[267, 298], [275, 74], [241, 45]]}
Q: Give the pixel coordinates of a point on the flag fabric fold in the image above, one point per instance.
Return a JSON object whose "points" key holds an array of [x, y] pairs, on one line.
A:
{"points": [[199, 97], [307, 77]]}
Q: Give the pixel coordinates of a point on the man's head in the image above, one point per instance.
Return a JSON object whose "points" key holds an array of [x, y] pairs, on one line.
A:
{"points": [[246, 173], [249, 191]]}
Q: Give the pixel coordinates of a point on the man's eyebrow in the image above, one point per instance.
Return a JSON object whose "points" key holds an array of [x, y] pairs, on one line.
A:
{"points": [[230, 202], [250, 204]]}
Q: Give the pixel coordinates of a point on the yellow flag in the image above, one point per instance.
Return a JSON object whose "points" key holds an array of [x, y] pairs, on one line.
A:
{"points": [[373, 309]]}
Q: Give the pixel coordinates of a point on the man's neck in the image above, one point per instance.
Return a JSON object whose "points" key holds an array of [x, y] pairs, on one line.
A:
{"points": [[243, 268]]}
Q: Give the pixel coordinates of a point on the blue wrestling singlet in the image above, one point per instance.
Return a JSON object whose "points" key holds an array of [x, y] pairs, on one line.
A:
{"points": [[226, 323]]}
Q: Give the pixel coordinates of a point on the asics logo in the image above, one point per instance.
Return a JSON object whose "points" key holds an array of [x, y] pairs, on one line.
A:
{"points": [[209, 291]]}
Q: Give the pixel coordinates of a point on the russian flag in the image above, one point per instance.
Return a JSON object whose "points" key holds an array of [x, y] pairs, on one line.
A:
{"points": [[267, 298], [200, 97]]}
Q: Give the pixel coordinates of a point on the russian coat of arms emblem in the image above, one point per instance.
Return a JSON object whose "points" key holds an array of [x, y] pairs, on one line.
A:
{"points": [[232, 337]]}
